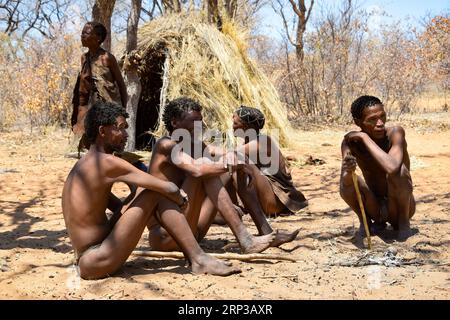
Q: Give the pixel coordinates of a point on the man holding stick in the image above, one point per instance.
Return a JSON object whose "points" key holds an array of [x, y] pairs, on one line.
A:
{"points": [[381, 153]]}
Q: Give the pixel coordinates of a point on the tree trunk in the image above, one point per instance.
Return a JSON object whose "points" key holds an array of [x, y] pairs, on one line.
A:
{"points": [[213, 13], [131, 76], [171, 6], [102, 12], [303, 15], [299, 44], [231, 8]]}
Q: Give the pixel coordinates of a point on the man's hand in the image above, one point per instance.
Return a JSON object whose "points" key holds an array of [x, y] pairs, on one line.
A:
{"points": [[355, 136], [349, 164]]}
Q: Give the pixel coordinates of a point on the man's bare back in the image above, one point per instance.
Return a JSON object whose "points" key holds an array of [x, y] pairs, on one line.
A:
{"points": [[85, 198]]}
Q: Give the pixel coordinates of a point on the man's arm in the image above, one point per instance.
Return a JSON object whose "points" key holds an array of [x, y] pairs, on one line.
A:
{"points": [[391, 162], [348, 165], [119, 170], [196, 168], [214, 151], [174, 153]]}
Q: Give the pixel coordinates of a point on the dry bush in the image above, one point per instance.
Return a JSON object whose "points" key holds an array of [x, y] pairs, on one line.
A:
{"points": [[37, 80], [9, 92], [345, 59]]}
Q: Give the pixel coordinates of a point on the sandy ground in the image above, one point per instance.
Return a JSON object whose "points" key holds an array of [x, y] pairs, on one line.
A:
{"points": [[36, 255]]}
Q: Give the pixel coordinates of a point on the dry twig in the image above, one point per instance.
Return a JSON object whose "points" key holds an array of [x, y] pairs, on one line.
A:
{"points": [[226, 256]]}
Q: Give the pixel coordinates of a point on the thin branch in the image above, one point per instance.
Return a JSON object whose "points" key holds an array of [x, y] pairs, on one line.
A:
{"points": [[285, 23], [226, 256]]}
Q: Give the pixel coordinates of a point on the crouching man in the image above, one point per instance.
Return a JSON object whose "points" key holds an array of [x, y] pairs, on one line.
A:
{"points": [[382, 155]]}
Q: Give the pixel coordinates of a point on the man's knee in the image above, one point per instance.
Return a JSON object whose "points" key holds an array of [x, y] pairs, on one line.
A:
{"points": [[347, 192], [401, 180], [98, 265], [146, 201]]}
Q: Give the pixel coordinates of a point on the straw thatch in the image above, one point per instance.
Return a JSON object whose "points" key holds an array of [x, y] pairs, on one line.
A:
{"points": [[194, 59]]}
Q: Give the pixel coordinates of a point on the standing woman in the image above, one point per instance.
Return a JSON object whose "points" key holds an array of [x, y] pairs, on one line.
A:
{"points": [[99, 79]]}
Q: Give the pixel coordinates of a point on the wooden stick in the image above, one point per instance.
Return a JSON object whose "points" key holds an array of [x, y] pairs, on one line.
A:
{"points": [[227, 255], [361, 207]]}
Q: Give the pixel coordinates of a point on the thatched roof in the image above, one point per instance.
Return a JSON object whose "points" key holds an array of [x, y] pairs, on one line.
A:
{"points": [[211, 67]]}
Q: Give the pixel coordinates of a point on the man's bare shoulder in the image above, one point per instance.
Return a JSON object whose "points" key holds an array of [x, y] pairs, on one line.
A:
{"points": [[108, 59], [395, 130], [103, 161], [396, 134], [265, 141]]}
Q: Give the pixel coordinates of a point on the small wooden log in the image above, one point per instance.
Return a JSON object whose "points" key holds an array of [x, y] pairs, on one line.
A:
{"points": [[225, 256]]}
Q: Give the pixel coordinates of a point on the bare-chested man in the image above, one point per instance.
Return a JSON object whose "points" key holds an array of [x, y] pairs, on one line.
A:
{"points": [[196, 175], [102, 245], [383, 158]]}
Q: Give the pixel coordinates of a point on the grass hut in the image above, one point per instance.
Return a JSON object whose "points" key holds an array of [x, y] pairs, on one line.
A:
{"points": [[180, 55]]}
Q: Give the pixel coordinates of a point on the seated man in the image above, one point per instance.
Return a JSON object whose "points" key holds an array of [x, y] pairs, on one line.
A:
{"points": [[259, 193], [197, 176], [102, 245], [270, 176], [381, 154]]}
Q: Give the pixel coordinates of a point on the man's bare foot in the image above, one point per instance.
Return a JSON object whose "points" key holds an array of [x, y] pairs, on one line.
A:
{"points": [[205, 264], [257, 244], [283, 237], [362, 230], [404, 233], [377, 227]]}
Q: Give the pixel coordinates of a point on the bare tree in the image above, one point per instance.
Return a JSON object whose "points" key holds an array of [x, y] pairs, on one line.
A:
{"points": [[24, 16], [102, 12], [130, 69], [151, 8], [212, 9], [231, 7], [302, 15], [170, 6], [246, 11]]}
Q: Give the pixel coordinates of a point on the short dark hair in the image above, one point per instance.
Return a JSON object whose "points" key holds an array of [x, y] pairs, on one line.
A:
{"points": [[252, 117], [99, 29], [175, 109], [101, 114], [363, 102]]}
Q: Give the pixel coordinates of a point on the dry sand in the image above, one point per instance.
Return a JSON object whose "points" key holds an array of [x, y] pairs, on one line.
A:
{"points": [[36, 255]]}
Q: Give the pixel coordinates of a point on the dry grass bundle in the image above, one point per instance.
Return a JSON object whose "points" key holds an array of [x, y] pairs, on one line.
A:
{"points": [[211, 67]]}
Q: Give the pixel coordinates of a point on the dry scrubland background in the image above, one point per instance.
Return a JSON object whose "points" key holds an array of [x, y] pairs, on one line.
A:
{"points": [[318, 68], [317, 73]]}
